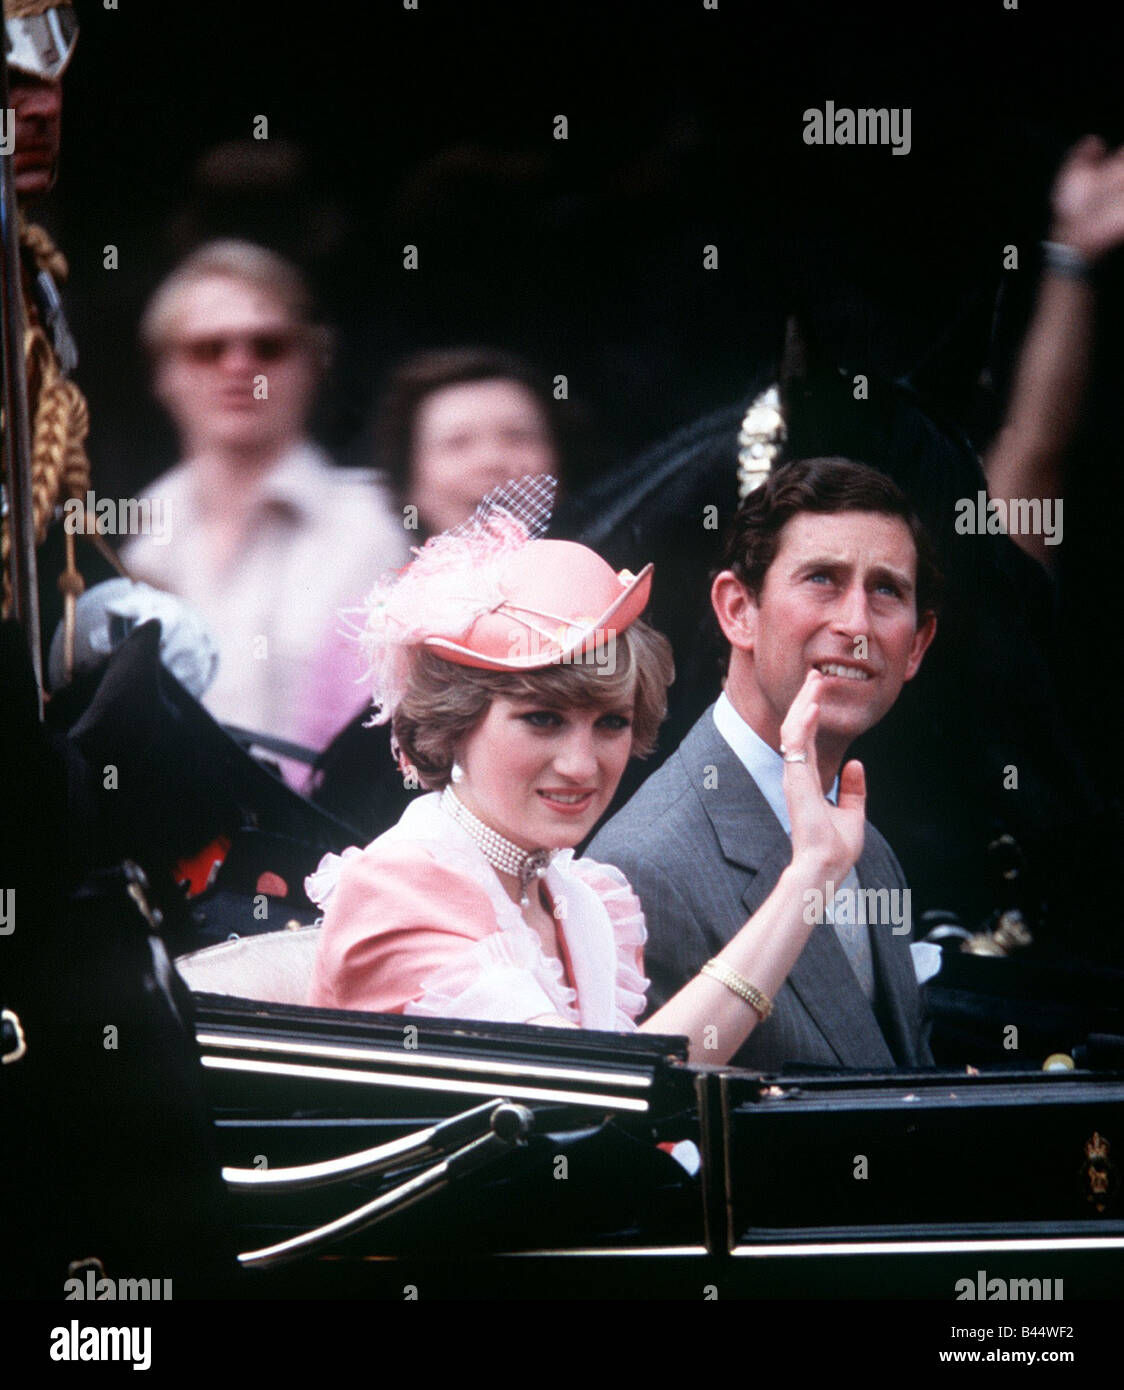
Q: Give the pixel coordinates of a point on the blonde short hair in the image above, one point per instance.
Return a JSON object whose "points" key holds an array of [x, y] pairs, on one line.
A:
{"points": [[252, 265]]}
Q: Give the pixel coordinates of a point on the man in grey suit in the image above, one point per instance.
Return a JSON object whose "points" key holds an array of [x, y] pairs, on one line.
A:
{"points": [[827, 596]]}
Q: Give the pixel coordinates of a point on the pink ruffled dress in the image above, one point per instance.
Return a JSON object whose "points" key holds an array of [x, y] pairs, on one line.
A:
{"points": [[419, 923]]}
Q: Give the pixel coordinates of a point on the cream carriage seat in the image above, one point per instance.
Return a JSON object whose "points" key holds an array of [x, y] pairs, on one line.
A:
{"points": [[275, 967]]}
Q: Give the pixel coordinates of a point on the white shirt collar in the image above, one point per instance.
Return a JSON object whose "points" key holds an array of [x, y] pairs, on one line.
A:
{"points": [[764, 764], [292, 483]]}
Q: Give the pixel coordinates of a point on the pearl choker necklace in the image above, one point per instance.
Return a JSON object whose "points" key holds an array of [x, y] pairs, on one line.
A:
{"points": [[503, 855]]}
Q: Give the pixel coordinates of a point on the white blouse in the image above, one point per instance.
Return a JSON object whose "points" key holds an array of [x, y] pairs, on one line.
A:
{"points": [[419, 923]]}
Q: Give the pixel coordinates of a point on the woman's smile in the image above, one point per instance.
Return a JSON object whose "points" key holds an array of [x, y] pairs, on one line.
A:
{"points": [[568, 803]]}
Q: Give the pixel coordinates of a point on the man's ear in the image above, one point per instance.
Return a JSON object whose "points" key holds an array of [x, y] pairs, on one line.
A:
{"points": [[736, 610], [926, 631]]}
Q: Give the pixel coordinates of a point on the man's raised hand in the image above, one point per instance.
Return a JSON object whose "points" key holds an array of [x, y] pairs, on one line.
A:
{"points": [[827, 838], [1088, 199]]}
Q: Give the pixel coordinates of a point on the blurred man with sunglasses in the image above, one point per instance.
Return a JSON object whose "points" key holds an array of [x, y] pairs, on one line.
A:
{"points": [[264, 536]]}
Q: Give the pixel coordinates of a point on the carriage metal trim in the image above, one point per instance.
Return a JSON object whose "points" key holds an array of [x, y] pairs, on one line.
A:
{"points": [[938, 1246], [396, 1153], [593, 1101], [501, 1138], [431, 1061]]}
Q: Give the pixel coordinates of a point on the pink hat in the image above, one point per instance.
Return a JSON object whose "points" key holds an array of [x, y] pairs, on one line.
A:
{"points": [[561, 600], [487, 594]]}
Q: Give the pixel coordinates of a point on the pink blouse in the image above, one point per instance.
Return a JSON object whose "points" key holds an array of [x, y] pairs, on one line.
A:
{"points": [[419, 923]]}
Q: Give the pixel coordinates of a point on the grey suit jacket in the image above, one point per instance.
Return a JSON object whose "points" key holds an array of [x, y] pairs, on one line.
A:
{"points": [[703, 850]]}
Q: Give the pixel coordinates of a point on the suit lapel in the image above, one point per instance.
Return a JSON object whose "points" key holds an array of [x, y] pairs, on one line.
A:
{"points": [[749, 834], [825, 984], [895, 977], [827, 987]]}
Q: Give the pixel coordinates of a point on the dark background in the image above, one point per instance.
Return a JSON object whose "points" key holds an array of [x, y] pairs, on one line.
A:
{"points": [[434, 127]]}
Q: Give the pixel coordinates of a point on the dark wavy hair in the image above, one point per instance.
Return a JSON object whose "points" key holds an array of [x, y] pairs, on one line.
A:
{"points": [[822, 485], [419, 376]]}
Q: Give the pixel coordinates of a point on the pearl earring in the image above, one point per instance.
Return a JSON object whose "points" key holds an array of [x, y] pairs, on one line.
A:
{"points": [[456, 773]]}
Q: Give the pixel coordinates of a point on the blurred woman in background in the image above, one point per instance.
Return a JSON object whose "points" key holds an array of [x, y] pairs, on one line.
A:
{"points": [[450, 426], [454, 424]]}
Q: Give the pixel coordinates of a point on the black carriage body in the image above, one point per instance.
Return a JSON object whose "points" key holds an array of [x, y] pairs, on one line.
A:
{"points": [[854, 1185]]}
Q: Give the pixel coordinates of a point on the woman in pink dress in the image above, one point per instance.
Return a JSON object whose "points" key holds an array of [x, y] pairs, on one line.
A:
{"points": [[520, 680]]}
